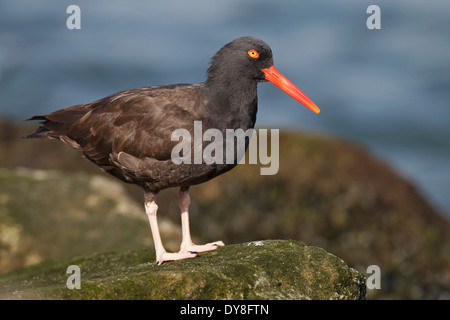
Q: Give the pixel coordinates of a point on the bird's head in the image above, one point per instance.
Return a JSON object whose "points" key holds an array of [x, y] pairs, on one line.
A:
{"points": [[251, 58]]}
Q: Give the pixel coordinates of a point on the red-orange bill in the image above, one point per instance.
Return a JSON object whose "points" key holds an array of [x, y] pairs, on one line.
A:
{"points": [[274, 76]]}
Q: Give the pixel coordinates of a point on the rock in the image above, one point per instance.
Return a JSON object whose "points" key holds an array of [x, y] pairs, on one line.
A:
{"points": [[335, 195], [272, 269], [55, 215], [328, 193]]}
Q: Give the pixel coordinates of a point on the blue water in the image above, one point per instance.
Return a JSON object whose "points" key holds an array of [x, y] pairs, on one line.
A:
{"points": [[388, 89]]}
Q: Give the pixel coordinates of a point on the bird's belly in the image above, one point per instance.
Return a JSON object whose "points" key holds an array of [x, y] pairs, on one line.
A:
{"points": [[155, 175]]}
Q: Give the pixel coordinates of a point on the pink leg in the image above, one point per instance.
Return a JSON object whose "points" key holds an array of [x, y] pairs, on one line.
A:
{"points": [[162, 256], [186, 244]]}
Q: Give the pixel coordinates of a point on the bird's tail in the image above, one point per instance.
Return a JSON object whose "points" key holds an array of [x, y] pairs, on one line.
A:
{"points": [[57, 125]]}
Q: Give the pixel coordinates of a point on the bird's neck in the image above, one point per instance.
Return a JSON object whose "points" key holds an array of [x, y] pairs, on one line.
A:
{"points": [[234, 101]]}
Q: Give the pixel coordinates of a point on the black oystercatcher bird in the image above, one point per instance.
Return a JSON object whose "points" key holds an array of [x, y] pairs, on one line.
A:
{"points": [[128, 134]]}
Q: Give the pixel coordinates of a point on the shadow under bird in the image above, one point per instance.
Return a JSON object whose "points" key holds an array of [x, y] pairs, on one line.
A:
{"points": [[128, 134]]}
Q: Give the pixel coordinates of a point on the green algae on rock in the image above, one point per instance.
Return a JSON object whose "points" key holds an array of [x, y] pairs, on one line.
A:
{"points": [[272, 269]]}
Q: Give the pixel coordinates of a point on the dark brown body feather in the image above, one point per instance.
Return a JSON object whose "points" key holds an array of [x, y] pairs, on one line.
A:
{"points": [[128, 134]]}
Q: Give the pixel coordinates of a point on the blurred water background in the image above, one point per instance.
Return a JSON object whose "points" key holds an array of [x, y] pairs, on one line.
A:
{"points": [[387, 89]]}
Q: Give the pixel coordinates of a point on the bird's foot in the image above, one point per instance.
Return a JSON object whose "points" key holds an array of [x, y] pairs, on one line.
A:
{"points": [[191, 247], [169, 256]]}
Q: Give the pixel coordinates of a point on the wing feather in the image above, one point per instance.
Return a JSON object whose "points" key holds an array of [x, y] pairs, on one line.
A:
{"points": [[138, 122]]}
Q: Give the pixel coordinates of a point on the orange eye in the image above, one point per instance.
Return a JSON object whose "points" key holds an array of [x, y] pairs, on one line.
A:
{"points": [[253, 54]]}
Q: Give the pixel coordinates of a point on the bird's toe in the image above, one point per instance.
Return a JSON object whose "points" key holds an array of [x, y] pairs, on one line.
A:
{"points": [[169, 256], [201, 248]]}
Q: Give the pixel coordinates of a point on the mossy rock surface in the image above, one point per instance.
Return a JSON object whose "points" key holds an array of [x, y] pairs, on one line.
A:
{"points": [[57, 215], [272, 269]]}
